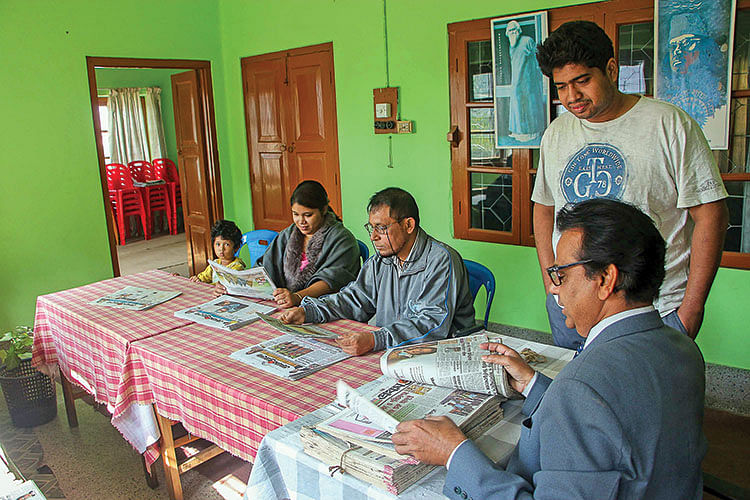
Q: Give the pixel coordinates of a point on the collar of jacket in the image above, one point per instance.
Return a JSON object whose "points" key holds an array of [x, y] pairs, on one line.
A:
{"points": [[627, 326]]}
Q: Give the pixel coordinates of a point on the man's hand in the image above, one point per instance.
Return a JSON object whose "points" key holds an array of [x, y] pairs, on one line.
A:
{"points": [[691, 320], [520, 372], [219, 289], [430, 440], [284, 298], [356, 344], [295, 316]]}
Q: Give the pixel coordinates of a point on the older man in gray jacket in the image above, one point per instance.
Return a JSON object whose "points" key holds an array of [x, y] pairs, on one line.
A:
{"points": [[416, 287]]}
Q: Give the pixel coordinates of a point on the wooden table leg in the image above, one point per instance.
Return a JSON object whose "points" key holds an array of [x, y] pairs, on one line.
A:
{"points": [[151, 478], [70, 400], [171, 468]]}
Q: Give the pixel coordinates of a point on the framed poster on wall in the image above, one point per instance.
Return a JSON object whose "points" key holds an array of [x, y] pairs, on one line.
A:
{"points": [[693, 56], [521, 90]]}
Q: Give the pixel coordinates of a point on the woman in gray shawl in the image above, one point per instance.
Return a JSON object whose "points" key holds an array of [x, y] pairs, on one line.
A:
{"points": [[314, 256]]}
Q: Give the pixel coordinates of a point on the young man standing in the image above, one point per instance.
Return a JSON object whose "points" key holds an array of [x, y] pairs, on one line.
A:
{"points": [[634, 149]]}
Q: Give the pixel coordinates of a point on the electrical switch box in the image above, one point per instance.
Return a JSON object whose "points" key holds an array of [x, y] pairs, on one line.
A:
{"points": [[385, 106]]}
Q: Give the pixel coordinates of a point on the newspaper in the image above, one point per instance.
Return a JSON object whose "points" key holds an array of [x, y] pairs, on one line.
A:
{"points": [[374, 413], [135, 298], [453, 363], [290, 356], [308, 331], [253, 282], [225, 312]]}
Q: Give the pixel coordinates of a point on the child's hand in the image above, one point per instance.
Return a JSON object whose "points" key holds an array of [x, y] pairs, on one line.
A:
{"points": [[219, 289], [194, 278]]}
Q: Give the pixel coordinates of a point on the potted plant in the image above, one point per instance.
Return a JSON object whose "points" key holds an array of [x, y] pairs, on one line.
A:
{"points": [[29, 394]]}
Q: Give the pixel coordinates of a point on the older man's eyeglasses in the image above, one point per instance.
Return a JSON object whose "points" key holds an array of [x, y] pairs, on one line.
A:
{"points": [[380, 229], [554, 271]]}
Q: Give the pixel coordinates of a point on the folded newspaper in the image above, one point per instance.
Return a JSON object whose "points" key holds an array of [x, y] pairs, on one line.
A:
{"points": [[253, 282], [308, 331], [290, 356], [356, 437], [225, 312], [135, 298]]}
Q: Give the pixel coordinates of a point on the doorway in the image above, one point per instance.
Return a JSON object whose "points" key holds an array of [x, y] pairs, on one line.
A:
{"points": [[292, 134], [191, 144]]}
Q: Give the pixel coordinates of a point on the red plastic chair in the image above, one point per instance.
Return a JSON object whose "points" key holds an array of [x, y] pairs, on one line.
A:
{"points": [[156, 196], [126, 200], [166, 169]]}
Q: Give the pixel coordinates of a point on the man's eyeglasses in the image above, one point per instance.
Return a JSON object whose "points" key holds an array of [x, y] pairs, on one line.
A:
{"points": [[381, 229], [554, 271]]}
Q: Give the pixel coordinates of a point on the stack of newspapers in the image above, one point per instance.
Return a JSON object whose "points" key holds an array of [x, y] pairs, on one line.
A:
{"points": [[444, 378]]}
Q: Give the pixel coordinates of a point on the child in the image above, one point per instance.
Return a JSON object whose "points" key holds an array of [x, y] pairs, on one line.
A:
{"points": [[227, 238]]}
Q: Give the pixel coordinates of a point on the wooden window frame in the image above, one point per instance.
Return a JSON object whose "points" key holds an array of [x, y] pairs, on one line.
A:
{"points": [[610, 15]]}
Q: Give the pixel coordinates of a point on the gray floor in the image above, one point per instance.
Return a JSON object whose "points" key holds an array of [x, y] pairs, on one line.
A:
{"points": [[166, 252]]}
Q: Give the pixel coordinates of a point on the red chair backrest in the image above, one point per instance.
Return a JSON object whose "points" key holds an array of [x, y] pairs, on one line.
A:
{"points": [[139, 170], [113, 175], [166, 169]]}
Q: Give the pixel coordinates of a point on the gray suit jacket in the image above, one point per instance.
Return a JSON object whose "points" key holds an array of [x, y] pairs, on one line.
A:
{"points": [[621, 420]]}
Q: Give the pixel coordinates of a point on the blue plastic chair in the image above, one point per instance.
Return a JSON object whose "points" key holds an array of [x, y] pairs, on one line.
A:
{"points": [[480, 275], [364, 252], [257, 243]]}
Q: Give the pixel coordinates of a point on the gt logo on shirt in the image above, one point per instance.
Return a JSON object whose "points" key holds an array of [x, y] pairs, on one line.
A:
{"points": [[595, 171]]}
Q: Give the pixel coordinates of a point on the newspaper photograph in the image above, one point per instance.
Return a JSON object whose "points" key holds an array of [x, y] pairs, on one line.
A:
{"points": [[400, 400], [290, 356], [135, 298], [307, 331], [225, 312], [253, 282], [453, 363]]}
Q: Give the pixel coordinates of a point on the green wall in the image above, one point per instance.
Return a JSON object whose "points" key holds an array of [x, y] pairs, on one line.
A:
{"points": [[108, 78], [53, 214], [51, 195]]}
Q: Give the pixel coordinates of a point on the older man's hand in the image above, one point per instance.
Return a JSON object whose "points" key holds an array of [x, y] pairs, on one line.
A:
{"points": [[520, 372], [356, 344], [430, 440]]}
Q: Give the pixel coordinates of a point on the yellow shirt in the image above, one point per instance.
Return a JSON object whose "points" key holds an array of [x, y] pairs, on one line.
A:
{"points": [[207, 276]]}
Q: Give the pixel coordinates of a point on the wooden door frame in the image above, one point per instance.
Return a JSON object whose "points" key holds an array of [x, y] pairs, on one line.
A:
{"points": [[203, 68]]}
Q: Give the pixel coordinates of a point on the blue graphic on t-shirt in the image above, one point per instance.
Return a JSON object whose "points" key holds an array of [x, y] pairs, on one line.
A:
{"points": [[595, 171]]}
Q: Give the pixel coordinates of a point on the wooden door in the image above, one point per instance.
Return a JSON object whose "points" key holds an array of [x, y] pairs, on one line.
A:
{"points": [[290, 115], [194, 175]]}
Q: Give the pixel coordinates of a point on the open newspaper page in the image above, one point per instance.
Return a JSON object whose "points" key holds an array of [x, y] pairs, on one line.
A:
{"points": [[308, 331], [253, 282], [290, 356], [377, 408], [135, 298], [225, 312], [453, 363]]}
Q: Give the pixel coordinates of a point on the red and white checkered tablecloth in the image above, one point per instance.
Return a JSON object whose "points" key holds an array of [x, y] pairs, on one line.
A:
{"points": [[192, 379], [90, 342]]}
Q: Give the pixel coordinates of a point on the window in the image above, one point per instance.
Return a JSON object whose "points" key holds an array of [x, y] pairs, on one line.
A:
{"points": [[104, 121], [492, 187]]}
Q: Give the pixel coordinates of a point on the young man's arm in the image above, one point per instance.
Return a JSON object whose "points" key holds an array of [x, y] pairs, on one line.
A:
{"points": [[711, 221], [544, 222]]}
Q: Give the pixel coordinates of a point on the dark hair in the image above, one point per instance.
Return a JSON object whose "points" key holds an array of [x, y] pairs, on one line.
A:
{"points": [[577, 42], [227, 230], [311, 194], [401, 204], [620, 234]]}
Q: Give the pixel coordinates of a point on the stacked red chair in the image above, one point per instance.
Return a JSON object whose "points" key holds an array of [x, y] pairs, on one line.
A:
{"points": [[155, 196], [166, 170], [126, 200]]}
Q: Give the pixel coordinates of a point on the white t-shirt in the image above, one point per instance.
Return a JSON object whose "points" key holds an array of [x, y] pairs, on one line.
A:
{"points": [[654, 157]]}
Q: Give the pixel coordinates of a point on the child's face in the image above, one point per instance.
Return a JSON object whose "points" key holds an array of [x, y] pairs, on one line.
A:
{"points": [[224, 249]]}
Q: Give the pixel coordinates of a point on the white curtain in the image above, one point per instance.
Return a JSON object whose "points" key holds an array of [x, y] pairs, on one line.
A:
{"points": [[128, 130], [155, 126]]}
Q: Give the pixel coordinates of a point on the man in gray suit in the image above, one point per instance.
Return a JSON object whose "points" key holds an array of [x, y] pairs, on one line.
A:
{"points": [[623, 418]]}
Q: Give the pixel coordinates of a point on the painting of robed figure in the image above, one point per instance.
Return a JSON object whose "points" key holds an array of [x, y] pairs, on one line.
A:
{"points": [[521, 90]]}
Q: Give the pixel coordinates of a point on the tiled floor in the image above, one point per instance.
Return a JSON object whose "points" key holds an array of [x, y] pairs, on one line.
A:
{"points": [[166, 252]]}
